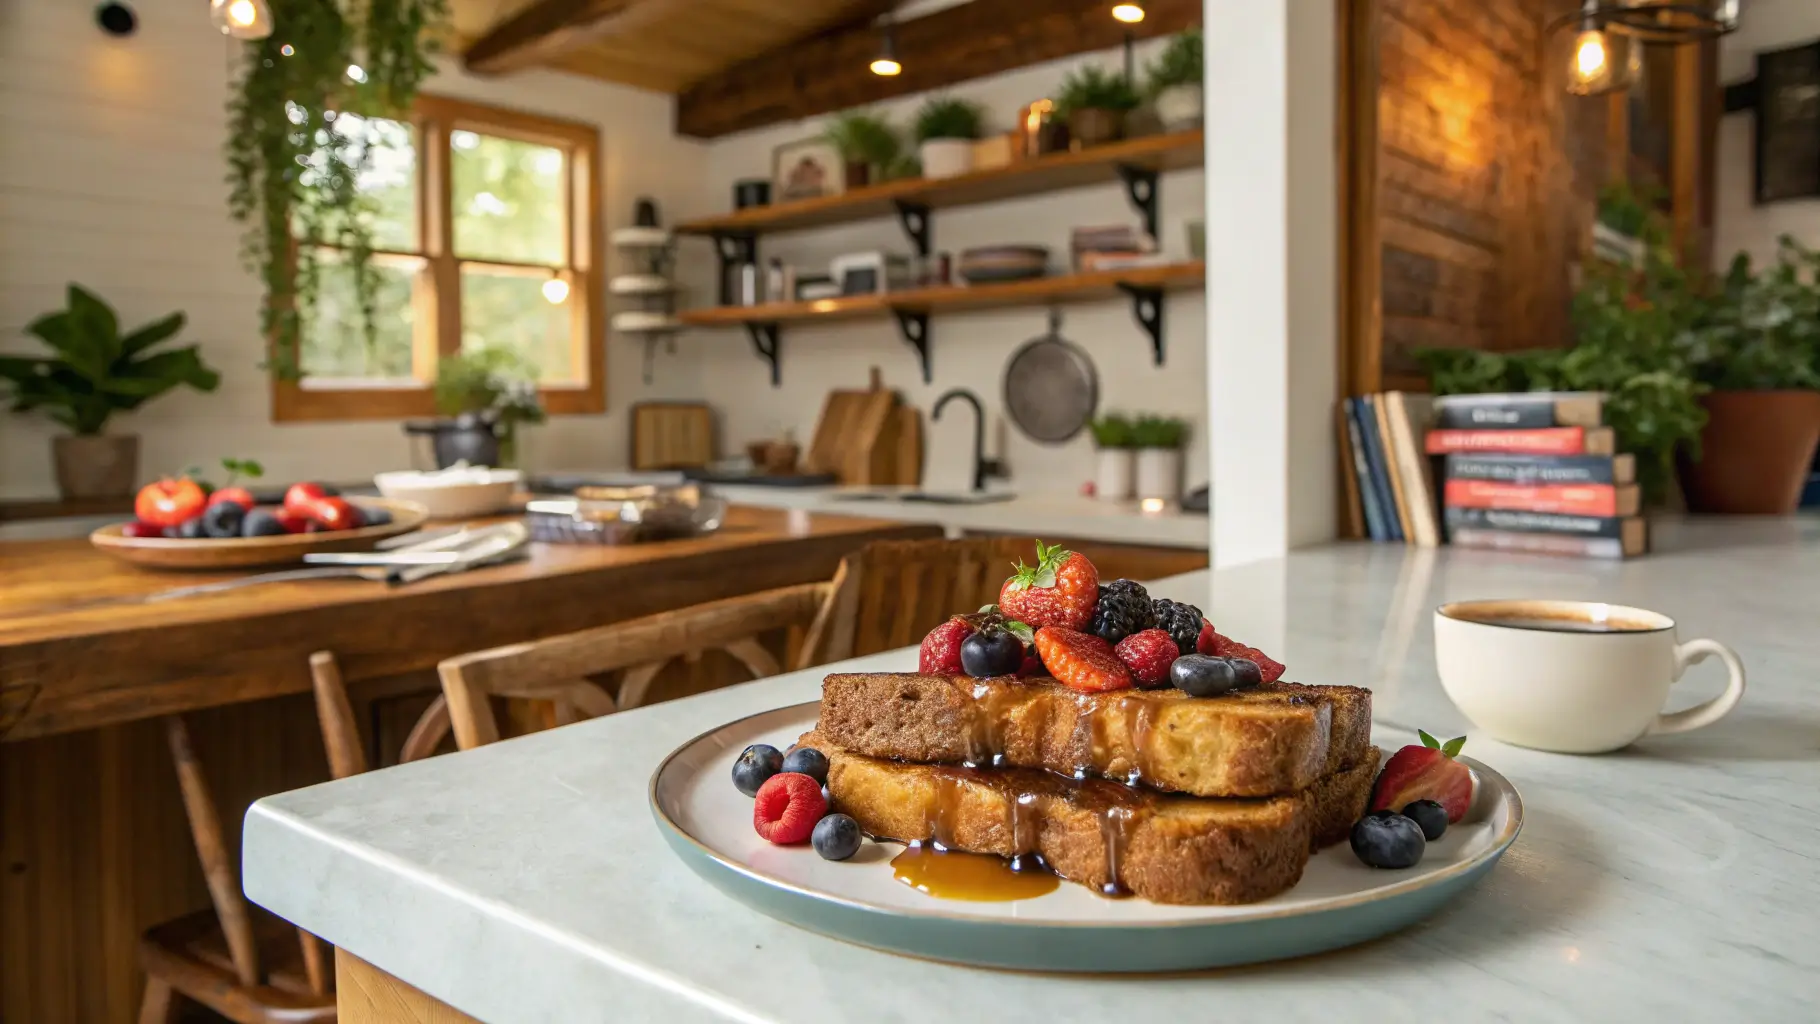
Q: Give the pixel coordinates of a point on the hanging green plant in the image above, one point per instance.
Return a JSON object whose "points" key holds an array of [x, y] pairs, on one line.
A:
{"points": [[295, 159]]}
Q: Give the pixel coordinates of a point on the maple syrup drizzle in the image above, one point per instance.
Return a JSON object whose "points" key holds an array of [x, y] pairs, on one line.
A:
{"points": [[1140, 724], [993, 703], [1115, 831]]}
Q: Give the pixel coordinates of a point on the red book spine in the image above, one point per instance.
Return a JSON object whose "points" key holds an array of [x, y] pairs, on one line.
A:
{"points": [[1541, 441], [1564, 499]]}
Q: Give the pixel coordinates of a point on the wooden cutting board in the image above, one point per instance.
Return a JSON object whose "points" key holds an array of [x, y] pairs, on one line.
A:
{"points": [[907, 448], [672, 435], [850, 426]]}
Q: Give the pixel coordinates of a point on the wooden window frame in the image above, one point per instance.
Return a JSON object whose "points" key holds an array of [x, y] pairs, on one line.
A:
{"points": [[434, 118]]}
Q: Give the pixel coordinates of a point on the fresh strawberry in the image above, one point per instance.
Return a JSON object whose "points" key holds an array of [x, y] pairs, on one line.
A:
{"points": [[1081, 661], [786, 808], [1148, 653], [941, 654], [293, 522], [1059, 590], [1226, 647], [169, 502], [1426, 772], [1203, 644]]}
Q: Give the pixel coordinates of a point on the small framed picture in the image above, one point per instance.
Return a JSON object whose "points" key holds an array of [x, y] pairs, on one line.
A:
{"points": [[806, 169], [1788, 124]]}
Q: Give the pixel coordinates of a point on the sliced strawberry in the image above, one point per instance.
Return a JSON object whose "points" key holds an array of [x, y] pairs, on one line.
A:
{"points": [[786, 808], [1226, 647], [1081, 661], [1425, 772], [1059, 590], [1148, 653], [1204, 643], [941, 652]]}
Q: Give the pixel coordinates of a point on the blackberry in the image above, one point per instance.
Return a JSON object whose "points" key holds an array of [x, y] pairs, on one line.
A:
{"points": [[1181, 621], [1123, 609]]}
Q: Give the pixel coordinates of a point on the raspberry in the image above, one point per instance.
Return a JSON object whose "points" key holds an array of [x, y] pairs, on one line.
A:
{"points": [[787, 807], [1203, 644], [1148, 653], [941, 652]]}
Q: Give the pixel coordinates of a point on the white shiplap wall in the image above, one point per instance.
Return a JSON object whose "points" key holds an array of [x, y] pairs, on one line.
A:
{"points": [[111, 175]]}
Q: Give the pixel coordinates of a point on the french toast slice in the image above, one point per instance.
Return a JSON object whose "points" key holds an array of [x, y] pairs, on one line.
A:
{"points": [[1103, 834], [1259, 741]]}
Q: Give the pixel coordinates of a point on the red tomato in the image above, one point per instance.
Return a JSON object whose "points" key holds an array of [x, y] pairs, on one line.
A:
{"points": [[335, 514], [301, 496], [293, 522], [139, 529], [169, 502], [238, 495]]}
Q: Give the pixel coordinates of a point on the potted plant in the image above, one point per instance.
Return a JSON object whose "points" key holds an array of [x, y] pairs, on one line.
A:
{"points": [[1175, 82], [487, 394], [1112, 437], [93, 373], [1759, 353], [1158, 440], [1094, 102], [945, 129], [867, 143]]}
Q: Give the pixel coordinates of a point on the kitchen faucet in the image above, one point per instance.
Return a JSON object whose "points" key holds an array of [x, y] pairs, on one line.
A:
{"points": [[982, 466]]}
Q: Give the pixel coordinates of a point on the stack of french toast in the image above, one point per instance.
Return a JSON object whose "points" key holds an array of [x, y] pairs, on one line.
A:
{"points": [[1172, 797]]}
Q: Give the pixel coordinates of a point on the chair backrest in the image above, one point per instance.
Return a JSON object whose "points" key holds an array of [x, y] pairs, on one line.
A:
{"points": [[341, 737], [890, 593], [555, 668]]}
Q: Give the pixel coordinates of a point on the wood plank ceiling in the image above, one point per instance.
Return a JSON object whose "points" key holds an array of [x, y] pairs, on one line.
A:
{"points": [[664, 45]]}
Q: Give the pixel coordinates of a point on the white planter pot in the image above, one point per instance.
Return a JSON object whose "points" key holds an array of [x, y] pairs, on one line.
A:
{"points": [[945, 158], [1159, 473], [1113, 480], [1179, 107]]}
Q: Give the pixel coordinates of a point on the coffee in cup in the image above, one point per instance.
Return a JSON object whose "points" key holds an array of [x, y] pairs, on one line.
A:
{"points": [[1577, 677]]}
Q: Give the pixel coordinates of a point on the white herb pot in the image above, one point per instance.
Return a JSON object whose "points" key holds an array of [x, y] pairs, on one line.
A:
{"points": [[1179, 107], [1112, 482], [1159, 473], [945, 158]]}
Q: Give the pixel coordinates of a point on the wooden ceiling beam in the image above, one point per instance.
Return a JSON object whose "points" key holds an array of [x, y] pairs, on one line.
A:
{"points": [[548, 29], [830, 71]]}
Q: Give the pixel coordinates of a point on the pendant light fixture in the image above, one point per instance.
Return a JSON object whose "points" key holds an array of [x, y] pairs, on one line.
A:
{"points": [[1599, 61], [1670, 21], [1608, 36], [1130, 14], [242, 19], [886, 63]]}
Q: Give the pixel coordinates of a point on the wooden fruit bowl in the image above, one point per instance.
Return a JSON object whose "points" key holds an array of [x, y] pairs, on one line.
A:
{"points": [[244, 552]]}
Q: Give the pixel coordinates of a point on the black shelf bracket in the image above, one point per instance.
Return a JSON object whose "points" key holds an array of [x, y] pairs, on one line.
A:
{"points": [[769, 346], [1140, 188], [915, 219], [915, 329], [1147, 308], [733, 248]]}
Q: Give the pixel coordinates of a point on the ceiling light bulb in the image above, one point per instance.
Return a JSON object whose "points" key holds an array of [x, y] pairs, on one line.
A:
{"points": [[886, 66], [1589, 54], [1130, 14], [242, 19], [555, 290]]}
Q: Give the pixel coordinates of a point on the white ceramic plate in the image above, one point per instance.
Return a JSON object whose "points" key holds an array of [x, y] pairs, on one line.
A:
{"points": [[1339, 901]]}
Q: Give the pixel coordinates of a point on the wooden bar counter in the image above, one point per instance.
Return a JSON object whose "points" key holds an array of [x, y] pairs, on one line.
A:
{"points": [[93, 841]]}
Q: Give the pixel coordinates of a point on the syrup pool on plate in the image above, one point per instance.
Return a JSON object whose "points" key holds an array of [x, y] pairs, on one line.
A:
{"points": [[977, 877]]}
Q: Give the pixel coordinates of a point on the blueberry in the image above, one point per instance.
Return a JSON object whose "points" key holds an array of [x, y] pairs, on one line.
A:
{"points": [[189, 529], [1203, 675], [222, 520], [992, 652], [1430, 815], [373, 515], [1249, 673], [757, 763], [836, 837], [810, 762], [1386, 839], [261, 522]]}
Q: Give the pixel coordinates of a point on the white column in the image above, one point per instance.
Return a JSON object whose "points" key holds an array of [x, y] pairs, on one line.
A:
{"points": [[1272, 266]]}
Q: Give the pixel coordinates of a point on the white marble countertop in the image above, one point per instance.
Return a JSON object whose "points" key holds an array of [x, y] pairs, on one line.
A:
{"points": [[1677, 880], [1044, 515]]}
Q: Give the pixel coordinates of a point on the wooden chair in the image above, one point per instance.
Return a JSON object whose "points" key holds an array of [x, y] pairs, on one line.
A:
{"points": [[340, 735], [890, 593], [554, 669], [250, 969]]}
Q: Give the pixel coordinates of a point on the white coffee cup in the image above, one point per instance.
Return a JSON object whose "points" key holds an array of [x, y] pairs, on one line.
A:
{"points": [[1577, 677]]}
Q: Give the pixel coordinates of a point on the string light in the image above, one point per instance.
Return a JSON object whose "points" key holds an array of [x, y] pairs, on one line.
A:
{"points": [[242, 19], [1130, 14]]}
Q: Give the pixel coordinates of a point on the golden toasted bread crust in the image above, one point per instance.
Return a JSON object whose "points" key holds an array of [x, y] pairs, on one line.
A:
{"points": [[1339, 799], [1276, 738]]}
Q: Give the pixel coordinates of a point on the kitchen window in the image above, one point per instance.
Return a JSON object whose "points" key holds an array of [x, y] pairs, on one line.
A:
{"points": [[486, 235]]}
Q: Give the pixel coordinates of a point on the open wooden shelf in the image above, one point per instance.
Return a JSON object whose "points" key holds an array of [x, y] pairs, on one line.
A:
{"points": [[1096, 284], [1057, 171]]}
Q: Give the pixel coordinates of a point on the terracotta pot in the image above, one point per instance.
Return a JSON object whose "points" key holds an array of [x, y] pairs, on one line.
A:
{"points": [[1094, 126], [102, 466], [1755, 452]]}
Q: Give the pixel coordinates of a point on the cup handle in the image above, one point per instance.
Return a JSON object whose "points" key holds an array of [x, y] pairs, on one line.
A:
{"points": [[1703, 714]]}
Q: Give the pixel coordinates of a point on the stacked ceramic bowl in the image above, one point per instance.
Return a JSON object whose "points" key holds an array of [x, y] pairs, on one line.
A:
{"points": [[992, 263]]}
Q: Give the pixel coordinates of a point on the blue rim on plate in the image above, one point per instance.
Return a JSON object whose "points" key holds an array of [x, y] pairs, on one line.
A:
{"points": [[997, 935]]}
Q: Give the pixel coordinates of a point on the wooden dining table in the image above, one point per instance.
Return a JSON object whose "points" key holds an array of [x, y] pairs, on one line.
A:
{"points": [[93, 841]]}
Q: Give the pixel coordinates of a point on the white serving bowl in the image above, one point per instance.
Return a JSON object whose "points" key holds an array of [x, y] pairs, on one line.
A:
{"points": [[461, 492]]}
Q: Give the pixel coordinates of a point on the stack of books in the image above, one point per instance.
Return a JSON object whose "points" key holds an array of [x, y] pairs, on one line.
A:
{"points": [[1390, 492], [1536, 472], [1112, 247]]}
